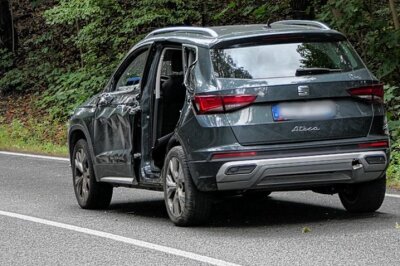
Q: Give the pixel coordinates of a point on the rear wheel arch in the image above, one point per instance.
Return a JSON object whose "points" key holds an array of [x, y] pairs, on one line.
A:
{"points": [[176, 141], [173, 142]]}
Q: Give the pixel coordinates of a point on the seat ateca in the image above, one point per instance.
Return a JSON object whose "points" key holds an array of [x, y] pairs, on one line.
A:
{"points": [[249, 109]]}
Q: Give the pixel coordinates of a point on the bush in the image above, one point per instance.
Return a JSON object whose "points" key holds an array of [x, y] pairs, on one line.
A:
{"points": [[41, 136], [67, 90]]}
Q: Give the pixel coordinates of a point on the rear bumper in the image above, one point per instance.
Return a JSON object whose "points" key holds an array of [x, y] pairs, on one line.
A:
{"points": [[301, 171]]}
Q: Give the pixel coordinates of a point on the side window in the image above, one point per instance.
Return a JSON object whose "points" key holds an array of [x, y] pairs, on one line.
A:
{"points": [[190, 60], [170, 71], [172, 62], [132, 76]]}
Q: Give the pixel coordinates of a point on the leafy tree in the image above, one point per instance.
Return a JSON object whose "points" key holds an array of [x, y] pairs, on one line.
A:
{"points": [[68, 48], [367, 26]]}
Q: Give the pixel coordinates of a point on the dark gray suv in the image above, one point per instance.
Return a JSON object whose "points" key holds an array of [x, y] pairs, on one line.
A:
{"points": [[234, 110]]}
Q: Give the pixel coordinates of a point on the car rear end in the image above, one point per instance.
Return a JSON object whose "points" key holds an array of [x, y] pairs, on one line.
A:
{"points": [[287, 111]]}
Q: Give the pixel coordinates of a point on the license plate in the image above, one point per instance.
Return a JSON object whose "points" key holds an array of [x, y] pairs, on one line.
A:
{"points": [[313, 110]]}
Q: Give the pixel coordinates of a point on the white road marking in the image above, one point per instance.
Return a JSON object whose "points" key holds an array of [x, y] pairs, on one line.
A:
{"points": [[135, 242], [393, 195], [34, 156]]}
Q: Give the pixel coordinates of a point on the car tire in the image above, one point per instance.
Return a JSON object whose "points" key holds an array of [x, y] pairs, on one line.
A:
{"points": [[364, 197], [185, 204], [89, 193]]}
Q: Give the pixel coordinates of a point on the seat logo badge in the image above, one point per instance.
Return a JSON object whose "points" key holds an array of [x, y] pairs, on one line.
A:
{"points": [[305, 129], [303, 90]]}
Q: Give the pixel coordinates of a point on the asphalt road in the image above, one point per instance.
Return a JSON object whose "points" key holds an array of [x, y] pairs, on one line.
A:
{"points": [[264, 232]]}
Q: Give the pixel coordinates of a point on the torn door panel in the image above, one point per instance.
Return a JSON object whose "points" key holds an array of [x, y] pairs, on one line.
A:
{"points": [[113, 128]]}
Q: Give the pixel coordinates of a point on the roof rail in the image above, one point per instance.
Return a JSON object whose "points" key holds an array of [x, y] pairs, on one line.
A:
{"points": [[310, 23], [195, 30]]}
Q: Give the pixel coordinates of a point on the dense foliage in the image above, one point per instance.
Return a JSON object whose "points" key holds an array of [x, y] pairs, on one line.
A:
{"points": [[74, 45], [66, 49]]}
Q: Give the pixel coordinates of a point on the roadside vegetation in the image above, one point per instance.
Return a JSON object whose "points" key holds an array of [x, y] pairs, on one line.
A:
{"points": [[29, 137], [59, 52], [25, 128]]}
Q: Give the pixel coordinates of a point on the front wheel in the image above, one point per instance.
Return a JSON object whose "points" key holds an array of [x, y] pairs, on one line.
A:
{"points": [[185, 204], [364, 197], [89, 193]]}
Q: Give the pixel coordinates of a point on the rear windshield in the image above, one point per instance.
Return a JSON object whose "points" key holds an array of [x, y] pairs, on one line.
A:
{"points": [[285, 60]]}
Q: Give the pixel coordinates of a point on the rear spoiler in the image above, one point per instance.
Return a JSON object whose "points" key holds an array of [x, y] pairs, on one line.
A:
{"points": [[280, 37]]}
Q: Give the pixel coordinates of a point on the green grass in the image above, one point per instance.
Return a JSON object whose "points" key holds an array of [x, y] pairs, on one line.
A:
{"points": [[393, 172], [33, 137]]}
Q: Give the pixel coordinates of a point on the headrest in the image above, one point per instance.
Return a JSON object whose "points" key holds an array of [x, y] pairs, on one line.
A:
{"points": [[175, 57]]}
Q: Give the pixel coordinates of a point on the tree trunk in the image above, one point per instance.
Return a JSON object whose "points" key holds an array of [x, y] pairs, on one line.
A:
{"points": [[12, 27], [394, 14], [7, 33]]}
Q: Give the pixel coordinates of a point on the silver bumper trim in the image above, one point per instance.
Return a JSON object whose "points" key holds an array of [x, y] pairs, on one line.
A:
{"points": [[317, 169]]}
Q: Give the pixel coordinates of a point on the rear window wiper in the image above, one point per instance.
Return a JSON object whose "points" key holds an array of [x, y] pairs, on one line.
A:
{"points": [[316, 71]]}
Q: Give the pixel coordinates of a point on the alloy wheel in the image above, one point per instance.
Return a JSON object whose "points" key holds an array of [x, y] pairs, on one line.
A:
{"points": [[82, 175], [175, 186]]}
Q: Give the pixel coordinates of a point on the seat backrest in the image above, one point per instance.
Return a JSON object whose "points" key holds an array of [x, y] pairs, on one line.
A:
{"points": [[172, 100]]}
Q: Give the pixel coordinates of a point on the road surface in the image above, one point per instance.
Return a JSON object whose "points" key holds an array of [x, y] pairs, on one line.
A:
{"points": [[41, 224]]}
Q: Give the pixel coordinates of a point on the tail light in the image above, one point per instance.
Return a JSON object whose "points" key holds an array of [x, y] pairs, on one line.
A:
{"points": [[206, 104], [377, 144], [227, 155], [372, 92]]}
